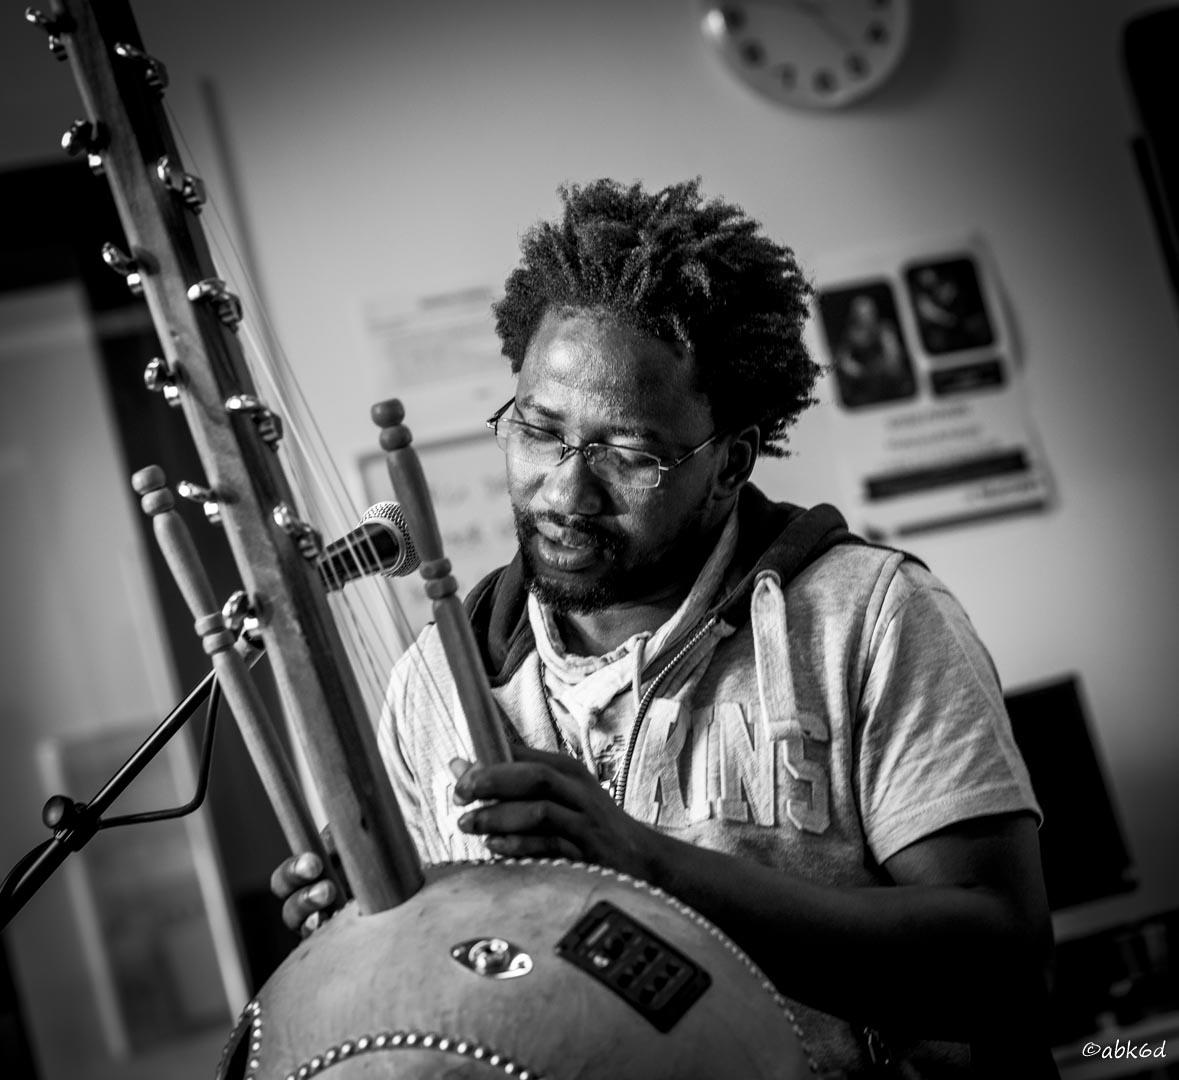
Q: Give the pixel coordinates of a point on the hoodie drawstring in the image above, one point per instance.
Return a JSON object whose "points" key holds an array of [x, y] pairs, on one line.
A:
{"points": [[775, 679], [771, 654]]}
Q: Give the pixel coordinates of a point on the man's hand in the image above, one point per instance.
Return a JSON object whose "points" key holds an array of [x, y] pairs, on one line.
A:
{"points": [[543, 804], [308, 897]]}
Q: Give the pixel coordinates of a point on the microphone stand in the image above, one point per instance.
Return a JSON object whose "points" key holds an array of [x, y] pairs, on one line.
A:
{"points": [[74, 824]]}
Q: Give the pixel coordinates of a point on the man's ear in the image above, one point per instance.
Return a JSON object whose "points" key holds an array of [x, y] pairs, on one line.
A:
{"points": [[742, 456]]}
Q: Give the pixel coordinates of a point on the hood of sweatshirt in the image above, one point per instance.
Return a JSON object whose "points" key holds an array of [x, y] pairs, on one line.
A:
{"points": [[772, 537]]}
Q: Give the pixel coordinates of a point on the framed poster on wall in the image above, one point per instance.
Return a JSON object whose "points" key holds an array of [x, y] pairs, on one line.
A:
{"points": [[931, 412]]}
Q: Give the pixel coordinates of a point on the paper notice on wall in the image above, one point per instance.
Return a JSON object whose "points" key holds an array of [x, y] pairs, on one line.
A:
{"points": [[468, 488], [441, 356], [931, 417]]}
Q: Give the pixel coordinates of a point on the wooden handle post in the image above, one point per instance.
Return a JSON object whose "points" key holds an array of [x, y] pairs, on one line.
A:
{"points": [[258, 731], [488, 738]]}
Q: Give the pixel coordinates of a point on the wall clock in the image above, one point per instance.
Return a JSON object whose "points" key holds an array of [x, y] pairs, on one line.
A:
{"points": [[810, 53]]}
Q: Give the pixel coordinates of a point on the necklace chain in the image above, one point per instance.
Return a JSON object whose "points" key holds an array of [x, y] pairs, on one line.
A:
{"points": [[605, 764]]}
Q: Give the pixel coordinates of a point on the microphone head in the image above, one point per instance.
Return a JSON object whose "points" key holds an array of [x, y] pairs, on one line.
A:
{"points": [[391, 512]]}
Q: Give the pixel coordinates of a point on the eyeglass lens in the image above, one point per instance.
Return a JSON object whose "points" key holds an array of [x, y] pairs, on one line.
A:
{"points": [[614, 464]]}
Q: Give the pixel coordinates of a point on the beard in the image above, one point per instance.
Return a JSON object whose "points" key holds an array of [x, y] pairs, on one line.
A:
{"points": [[566, 595], [627, 576]]}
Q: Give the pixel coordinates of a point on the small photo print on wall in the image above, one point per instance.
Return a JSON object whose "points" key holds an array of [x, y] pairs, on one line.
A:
{"points": [[948, 305], [872, 363], [933, 423]]}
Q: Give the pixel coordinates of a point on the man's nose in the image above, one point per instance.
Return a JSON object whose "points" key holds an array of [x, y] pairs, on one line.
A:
{"points": [[571, 488]]}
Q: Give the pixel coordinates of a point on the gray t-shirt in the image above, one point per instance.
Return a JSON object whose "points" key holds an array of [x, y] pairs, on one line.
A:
{"points": [[854, 713]]}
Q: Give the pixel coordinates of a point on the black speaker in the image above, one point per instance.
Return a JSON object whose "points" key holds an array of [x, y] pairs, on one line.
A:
{"points": [[1082, 846]]}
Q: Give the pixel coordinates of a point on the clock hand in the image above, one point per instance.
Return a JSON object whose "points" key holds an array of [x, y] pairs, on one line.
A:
{"points": [[815, 11]]}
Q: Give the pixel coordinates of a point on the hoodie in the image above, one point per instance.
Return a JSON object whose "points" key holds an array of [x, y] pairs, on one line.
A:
{"points": [[832, 705]]}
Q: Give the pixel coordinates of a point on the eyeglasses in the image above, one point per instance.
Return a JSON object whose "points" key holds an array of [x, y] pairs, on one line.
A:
{"points": [[620, 466]]}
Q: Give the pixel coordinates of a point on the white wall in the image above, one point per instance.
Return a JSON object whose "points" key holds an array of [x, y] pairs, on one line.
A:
{"points": [[85, 678], [396, 149]]}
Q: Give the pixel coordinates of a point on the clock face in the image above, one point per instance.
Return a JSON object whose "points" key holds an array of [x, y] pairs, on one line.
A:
{"points": [[811, 53]]}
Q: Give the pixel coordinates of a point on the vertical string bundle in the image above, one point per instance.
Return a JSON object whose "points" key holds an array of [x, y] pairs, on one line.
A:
{"points": [[372, 622]]}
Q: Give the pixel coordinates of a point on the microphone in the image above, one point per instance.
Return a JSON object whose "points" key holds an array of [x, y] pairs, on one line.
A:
{"points": [[380, 544]]}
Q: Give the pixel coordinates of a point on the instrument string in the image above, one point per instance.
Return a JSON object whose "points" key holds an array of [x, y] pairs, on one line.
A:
{"points": [[360, 612], [363, 615], [373, 623], [312, 471]]}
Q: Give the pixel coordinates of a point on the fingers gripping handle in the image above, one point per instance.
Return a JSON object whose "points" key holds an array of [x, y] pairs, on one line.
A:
{"points": [[409, 482], [258, 731]]}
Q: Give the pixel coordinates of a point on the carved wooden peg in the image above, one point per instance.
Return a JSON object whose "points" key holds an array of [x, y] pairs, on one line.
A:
{"points": [[159, 504], [389, 414], [259, 732], [488, 738], [405, 472]]}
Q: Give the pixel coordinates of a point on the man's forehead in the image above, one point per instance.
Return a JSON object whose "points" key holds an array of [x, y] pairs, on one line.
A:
{"points": [[611, 413], [585, 368], [576, 342]]}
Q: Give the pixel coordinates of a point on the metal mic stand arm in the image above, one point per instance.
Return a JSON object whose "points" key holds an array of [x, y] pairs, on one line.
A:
{"points": [[74, 823]]}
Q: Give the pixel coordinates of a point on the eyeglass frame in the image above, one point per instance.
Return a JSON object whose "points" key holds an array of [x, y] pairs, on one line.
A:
{"points": [[568, 448]]}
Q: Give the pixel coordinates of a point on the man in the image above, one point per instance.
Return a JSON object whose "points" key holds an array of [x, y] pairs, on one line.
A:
{"points": [[796, 733]]}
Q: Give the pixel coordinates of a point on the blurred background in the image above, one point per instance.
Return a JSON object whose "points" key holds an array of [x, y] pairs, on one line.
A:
{"points": [[377, 163]]}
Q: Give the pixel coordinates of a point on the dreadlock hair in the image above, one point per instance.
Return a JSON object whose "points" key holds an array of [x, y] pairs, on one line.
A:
{"points": [[696, 273]]}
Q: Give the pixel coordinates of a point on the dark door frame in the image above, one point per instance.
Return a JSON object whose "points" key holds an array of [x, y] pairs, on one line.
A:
{"points": [[56, 217]]}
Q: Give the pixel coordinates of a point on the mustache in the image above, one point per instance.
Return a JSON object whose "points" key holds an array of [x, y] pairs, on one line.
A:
{"points": [[601, 537]]}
